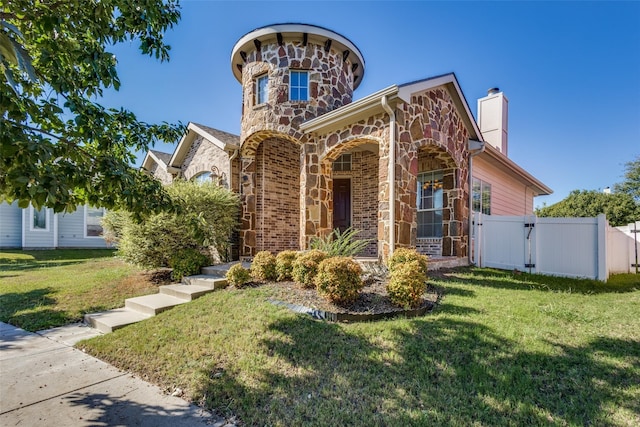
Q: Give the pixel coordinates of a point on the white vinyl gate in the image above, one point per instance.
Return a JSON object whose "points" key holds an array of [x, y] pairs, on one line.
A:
{"points": [[570, 247]]}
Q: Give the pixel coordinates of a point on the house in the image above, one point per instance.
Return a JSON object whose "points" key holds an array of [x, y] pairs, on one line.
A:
{"points": [[30, 228], [405, 165]]}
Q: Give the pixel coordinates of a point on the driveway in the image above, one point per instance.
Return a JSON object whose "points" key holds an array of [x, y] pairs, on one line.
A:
{"points": [[45, 381]]}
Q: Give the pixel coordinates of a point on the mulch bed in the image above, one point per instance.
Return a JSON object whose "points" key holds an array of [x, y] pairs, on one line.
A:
{"points": [[373, 299]]}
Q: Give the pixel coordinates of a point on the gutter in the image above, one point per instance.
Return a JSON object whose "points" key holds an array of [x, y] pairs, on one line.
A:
{"points": [[475, 148], [392, 174]]}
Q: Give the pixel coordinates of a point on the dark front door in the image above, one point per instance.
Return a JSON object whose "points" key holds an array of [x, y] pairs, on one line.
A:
{"points": [[341, 203]]}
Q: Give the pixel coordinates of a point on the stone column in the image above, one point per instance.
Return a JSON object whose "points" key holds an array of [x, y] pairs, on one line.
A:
{"points": [[248, 196]]}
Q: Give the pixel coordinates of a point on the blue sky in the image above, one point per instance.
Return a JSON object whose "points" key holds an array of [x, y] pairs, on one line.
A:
{"points": [[571, 71]]}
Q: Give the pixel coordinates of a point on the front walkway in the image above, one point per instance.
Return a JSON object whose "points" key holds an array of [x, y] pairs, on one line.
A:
{"points": [[45, 381]]}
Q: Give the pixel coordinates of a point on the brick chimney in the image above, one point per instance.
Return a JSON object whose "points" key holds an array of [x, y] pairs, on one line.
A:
{"points": [[493, 116]]}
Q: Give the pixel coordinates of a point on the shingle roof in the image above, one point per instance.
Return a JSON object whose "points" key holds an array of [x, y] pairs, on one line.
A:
{"points": [[227, 138], [165, 157]]}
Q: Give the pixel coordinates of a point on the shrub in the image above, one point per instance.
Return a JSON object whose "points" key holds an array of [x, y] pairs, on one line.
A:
{"points": [[407, 284], [339, 243], [404, 255], [339, 280], [284, 265], [205, 217], [305, 267], [263, 266], [186, 263], [238, 276]]}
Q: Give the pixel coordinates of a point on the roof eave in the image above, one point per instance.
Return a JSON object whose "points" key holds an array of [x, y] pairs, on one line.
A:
{"points": [[185, 144], [540, 188]]}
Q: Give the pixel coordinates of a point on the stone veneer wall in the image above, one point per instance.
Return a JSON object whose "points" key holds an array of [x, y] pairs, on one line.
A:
{"points": [[160, 174], [431, 122], [364, 197], [204, 154], [277, 196], [330, 86]]}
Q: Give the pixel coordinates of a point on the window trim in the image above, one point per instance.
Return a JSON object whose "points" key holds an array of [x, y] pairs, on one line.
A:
{"points": [[342, 162], [307, 96], [47, 219], [257, 99], [84, 223], [483, 185], [440, 209], [196, 177]]}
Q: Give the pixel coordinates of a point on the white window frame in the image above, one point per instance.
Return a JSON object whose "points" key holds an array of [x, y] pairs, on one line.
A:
{"points": [[480, 196], [47, 219], [343, 163], [298, 87], [259, 94], [84, 222], [198, 177]]}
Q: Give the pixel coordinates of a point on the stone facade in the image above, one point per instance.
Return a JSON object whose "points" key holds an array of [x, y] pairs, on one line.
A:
{"points": [[160, 174], [203, 155]]}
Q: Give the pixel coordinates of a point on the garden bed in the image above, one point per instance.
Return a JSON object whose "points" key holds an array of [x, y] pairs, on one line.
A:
{"points": [[373, 303]]}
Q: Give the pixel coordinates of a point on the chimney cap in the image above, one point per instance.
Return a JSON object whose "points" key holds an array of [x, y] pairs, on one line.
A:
{"points": [[493, 91]]}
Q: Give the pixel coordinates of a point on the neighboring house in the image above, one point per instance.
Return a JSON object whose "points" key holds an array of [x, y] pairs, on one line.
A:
{"points": [[404, 165], [30, 228]]}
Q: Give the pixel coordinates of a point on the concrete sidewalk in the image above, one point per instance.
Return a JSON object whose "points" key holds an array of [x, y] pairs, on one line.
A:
{"points": [[45, 381]]}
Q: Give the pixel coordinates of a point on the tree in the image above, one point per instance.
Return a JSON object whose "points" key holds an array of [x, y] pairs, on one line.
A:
{"points": [[620, 208], [631, 183], [59, 147]]}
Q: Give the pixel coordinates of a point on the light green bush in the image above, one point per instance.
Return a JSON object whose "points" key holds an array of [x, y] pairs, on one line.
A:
{"points": [[284, 265], [238, 276], [187, 262], [407, 284], [403, 255], [205, 219], [339, 243], [305, 267], [263, 266], [338, 279]]}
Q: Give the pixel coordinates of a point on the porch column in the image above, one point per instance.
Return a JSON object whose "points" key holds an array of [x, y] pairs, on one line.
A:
{"points": [[248, 197], [315, 197]]}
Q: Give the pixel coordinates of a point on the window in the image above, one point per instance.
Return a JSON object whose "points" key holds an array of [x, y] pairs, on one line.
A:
{"points": [[93, 221], [342, 163], [262, 83], [40, 219], [429, 204], [202, 177], [481, 196], [299, 86]]}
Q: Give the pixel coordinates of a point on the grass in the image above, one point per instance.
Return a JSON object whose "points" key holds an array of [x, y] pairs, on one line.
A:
{"points": [[45, 289], [500, 349]]}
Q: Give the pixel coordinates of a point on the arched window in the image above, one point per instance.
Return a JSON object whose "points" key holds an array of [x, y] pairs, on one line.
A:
{"points": [[202, 177]]}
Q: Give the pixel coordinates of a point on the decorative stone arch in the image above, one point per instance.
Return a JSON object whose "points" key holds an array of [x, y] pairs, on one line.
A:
{"points": [[364, 190], [270, 180], [434, 158]]}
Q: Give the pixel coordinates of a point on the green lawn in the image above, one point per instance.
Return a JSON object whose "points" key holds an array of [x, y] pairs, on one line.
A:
{"points": [[500, 349], [44, 289]]}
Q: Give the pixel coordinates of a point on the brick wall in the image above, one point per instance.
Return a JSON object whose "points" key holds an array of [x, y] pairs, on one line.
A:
{"points": [[277, 195]]}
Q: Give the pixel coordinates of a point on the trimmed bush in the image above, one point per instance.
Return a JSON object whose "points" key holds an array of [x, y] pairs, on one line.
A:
{"points": [[186, 263], [305, 267], [284, 265], [263, 266], [238, 276], [340, 243], [204, 218], [407, 284], [338, 279], [404, 255]]}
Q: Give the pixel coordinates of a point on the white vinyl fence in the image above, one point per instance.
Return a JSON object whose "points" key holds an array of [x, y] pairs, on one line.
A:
{"points": [[570, 247]]}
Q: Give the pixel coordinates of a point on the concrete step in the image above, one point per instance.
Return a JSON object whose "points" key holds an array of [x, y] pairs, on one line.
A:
{"points": [[210, 281], [185, 292], [153, 304], [109, 321]]}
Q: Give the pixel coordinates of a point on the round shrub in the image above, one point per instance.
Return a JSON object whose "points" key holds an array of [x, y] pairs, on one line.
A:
{"points": [[238, 276], [284, 265], [407, 284], [338, 279], [186, 263], [263, 266], [305, 267], [404, 255]]}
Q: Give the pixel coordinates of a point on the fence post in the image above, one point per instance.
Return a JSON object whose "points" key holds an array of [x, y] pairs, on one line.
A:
{"points": [[603, 266], [477, 251]]}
